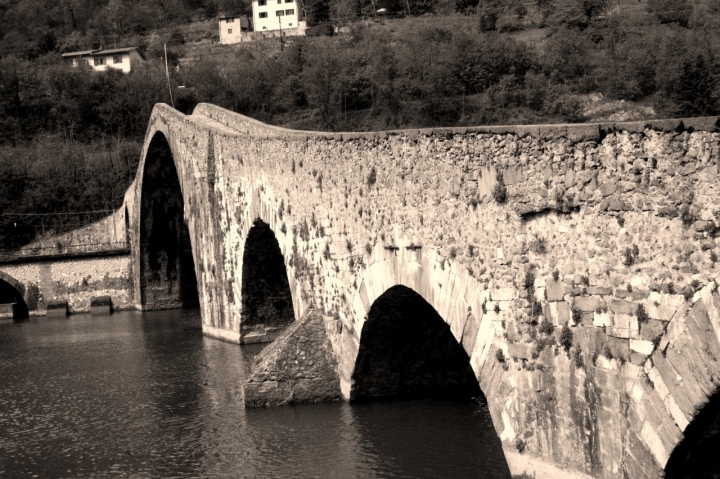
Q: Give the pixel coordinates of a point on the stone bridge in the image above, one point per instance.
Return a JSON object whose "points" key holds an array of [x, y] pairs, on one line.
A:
{"points": [[568, 272]]}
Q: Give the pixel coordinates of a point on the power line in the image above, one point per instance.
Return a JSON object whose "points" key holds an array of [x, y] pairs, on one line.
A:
{"points": [[59, 214]]}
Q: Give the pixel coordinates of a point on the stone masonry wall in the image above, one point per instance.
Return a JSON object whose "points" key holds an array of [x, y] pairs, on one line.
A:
{"points": [[543, 289], [76, 281], [108, 233]]}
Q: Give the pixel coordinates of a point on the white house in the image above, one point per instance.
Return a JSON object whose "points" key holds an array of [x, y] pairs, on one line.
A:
{"points": [[271, 15], [100, 60], [231, 28]]}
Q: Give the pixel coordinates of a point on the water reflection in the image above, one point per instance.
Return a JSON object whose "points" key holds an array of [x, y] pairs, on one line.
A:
{"points": [[146, 395]]}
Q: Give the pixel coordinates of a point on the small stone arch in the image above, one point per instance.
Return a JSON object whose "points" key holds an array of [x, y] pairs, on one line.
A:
{"points": [[13, 292], [267, 302]]}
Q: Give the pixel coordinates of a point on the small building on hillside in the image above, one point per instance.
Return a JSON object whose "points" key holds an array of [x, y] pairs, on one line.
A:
{"points": [[79, 58], [123, 59], [232, 28], [271, 15]]}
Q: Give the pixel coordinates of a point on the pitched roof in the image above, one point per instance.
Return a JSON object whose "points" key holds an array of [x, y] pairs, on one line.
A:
{"points": [[114, 50], [80, 53]]}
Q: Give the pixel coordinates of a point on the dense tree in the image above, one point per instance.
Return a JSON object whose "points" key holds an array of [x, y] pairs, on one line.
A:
{"points": [[695, 92], [671, 11], [373, 78]]}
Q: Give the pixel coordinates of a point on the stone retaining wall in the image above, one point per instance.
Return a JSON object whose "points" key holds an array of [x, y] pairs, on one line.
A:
{"points": [[76, 281]]}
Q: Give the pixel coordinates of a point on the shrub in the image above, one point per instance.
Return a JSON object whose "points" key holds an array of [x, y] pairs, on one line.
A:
{"points": [[686, 216], [607, 352], [499, 192], [566, 338], [576, 315], [546, 327], [542, 245], [688, 293], [628, 259], [671, 11], [500, 356], [641, 314], [372, 177], [578, 358], [322, 30], [529, 281]]}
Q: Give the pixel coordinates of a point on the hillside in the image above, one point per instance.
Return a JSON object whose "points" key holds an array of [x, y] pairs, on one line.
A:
{"points": [[548, 65]]}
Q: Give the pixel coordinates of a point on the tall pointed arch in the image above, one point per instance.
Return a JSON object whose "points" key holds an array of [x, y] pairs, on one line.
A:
{"points": [[167, 268]]}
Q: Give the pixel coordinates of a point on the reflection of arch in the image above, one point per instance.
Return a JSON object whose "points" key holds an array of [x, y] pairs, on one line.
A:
{"points": [[696, 456], [266, 298], [167, 269], [407, 348], [12, 292]]}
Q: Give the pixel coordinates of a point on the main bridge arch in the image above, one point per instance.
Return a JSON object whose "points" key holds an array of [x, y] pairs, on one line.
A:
{"points": [[164, 256]]}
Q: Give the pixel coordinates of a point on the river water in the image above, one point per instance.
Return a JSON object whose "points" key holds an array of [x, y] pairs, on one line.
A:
{"points": [[144, 395]]}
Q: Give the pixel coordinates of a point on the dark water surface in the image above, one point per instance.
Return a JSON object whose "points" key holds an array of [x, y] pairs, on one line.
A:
{"points": [[146, 395]]}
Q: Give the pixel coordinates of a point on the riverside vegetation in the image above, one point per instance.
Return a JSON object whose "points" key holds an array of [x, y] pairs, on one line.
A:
{"points": [[70, 139]]}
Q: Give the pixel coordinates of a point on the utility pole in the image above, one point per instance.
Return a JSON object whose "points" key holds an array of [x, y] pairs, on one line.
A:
{"points": [[281, 42], [167, 75]]}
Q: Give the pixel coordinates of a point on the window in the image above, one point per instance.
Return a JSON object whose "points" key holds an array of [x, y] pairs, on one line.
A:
{"points": [[290, 11], [117, 58], [280, 13], [100, 61], [289, 24], [279, 2], [229, 31], [263, 14], [228, 20], [288, 1], [262, 3]]}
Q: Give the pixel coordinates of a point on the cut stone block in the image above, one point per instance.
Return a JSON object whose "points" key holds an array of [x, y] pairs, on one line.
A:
{"points": [[57, 308], [101, 305]]}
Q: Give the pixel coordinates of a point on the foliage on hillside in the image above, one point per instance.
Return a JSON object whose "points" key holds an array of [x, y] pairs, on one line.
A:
{"points": [[434, 75], [72, 137]]}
